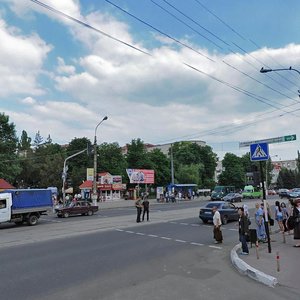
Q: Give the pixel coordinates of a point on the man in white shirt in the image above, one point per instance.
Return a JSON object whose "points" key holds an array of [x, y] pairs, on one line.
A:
{"points": [[217, 225]]}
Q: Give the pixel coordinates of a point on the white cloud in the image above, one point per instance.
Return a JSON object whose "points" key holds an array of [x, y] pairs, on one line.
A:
{"points": [[62, 68], [21, 60], [28, 100], [156, 98]]}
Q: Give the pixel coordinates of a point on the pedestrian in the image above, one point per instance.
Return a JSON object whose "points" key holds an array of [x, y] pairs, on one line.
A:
{"points": [[139, 207], [260, 223], [217, 226], [285, 216], [243, 230], [296, 216], [145, 209], [279, 216]]}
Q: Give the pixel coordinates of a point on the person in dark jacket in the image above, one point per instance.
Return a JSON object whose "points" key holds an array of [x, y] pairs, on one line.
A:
{"points": [[243, 230], [296, 215], [145, 209]]}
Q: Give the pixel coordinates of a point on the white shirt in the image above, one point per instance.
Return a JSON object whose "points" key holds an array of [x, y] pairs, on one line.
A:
{"points": [[217, 219]]}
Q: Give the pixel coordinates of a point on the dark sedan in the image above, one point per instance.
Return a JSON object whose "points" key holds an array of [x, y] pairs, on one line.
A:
{"points": [[233, 197], [228, 211], [83, 208]]}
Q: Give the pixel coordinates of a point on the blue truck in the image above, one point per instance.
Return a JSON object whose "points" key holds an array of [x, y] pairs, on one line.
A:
{"points": [[24, 205]]}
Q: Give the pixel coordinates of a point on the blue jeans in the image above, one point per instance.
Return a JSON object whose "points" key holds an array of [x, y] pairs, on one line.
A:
{"points": [[244, 243]]}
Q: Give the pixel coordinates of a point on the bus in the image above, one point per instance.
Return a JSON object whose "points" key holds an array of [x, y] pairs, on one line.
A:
{"points": [[220, 191]]}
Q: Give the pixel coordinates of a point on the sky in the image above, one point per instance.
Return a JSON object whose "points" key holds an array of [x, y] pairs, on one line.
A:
{"points": [[160, 70]]}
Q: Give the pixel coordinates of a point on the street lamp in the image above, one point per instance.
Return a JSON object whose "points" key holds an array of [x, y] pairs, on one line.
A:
{"points": [[95, 194], [263, 70]]}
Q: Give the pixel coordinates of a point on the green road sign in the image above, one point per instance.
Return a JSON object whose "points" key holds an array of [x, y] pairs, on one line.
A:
{"points": [[280, 139], [288, 138]]}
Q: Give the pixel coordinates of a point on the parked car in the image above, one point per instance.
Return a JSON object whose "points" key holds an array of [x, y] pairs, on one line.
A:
{"points": [[294, 193], [78, 208], [228, 211], [283, 193], [272, 192], [233, 197]]}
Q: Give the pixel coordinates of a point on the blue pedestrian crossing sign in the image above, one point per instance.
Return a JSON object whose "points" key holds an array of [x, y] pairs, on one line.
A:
{"points": [[259, 151]]}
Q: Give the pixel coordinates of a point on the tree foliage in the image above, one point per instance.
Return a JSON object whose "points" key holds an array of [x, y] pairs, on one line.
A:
{"points": [[196, 157], [234, 172], [9, 162]]}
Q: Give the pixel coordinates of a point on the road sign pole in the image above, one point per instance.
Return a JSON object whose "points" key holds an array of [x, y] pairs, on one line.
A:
{"points": [[265, 206]]}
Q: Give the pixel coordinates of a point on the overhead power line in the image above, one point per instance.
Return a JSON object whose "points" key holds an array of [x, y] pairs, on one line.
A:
{"points": [[220, 47], [247, 93]]}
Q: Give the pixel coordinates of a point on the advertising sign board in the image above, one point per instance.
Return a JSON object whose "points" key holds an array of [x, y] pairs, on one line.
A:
{"points": [[140, 176]]}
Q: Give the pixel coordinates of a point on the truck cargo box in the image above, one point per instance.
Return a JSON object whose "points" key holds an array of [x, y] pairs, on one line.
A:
{"points": [[30, 198]]}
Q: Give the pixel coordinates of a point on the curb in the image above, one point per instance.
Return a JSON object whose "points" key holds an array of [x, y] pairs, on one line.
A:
{"points": [[249, 271]]}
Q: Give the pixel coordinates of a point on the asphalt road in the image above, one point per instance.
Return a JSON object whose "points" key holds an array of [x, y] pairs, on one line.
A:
{"points": [[172, 258]]}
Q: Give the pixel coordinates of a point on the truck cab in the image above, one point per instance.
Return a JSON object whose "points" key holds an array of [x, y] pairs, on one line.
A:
{"points": [[5, 207]]}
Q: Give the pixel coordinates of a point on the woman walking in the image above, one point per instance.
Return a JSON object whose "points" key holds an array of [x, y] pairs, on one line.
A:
{"points": [[260, 223], [279, 216], [285, 216]]}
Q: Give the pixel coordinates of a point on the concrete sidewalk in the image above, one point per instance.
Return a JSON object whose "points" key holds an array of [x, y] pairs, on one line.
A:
{"points": [[281, 266], [130, 203]]}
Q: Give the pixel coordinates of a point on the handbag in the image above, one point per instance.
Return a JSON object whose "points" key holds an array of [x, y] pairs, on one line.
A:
{"points": [[271, 221], [290, 222]]}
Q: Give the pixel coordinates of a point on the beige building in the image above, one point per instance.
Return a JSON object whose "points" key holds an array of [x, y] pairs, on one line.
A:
{"points": [[278, 165]]}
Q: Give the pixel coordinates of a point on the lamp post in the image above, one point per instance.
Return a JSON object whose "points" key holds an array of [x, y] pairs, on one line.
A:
{"points": [[95, 194], [263, 70]]}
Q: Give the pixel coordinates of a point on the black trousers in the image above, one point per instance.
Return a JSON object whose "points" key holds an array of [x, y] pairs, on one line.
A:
{"points": [[146, 211], [138, 214]]}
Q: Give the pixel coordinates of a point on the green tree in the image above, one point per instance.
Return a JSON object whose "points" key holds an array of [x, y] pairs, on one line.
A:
{"points": [[49, 161], [189, 154], [161, 166], [189, 174], [286, 179], [24, 142], [77, 165], [111, 159], [234, 173], [9, 163], [38, 140], [136, 156]]}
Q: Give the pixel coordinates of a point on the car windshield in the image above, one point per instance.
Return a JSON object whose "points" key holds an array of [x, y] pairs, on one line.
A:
{"points": [[230, 195], [218, 189], [211, 205]]}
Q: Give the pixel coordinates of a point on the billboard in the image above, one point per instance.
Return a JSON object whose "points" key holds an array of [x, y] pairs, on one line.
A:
{"points": [[90, 174], [140, 176]]}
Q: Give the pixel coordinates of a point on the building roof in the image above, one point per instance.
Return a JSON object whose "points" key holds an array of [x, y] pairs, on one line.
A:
{"points": [[86, 184], [5, 185]]}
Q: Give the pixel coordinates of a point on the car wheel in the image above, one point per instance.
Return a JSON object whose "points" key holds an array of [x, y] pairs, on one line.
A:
{"points": [[224, 220], [90, 213], [205, 221], [66, 215]]}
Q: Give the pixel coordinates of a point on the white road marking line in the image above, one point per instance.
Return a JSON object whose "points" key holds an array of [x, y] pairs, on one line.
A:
{"points": [[183, 223], [173, 222], [195, 224], [165, 238], [215, 247], [180, 241], [152, 235], [196, 244], [233, 229], [119, 230], [129, 231], [140, 233]]}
